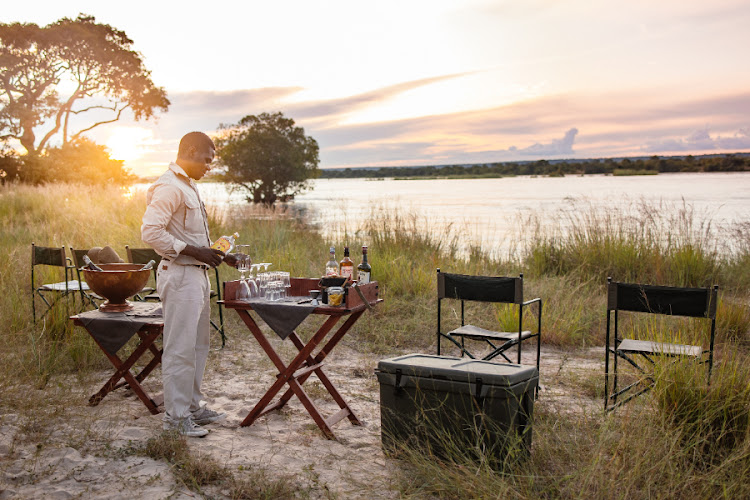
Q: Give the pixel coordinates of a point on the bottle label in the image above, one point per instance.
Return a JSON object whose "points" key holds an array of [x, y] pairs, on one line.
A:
{"points": [[222, 244], [347, 271], [364, 277]]}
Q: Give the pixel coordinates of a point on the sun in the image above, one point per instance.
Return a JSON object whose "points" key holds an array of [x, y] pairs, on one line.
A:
{"points": [[129, 143]]}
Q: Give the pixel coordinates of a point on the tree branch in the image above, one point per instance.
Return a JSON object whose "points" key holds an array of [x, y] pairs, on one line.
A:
{"points": [[116, 118]]}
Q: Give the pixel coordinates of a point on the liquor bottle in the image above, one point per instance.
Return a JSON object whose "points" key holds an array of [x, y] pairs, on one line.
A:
{"points": [[346, 266], [225, 243], [90, 264], [363, 269], [148, 265], [332, 267]]}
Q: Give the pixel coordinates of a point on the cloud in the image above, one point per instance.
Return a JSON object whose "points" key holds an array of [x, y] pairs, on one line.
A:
{"points": [[701, 140], [603, 125], [562, 146]]}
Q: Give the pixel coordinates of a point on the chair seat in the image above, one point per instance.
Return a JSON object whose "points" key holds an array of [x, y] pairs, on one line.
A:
{"points": [[61, 286], [649, 347], [476, 333]]}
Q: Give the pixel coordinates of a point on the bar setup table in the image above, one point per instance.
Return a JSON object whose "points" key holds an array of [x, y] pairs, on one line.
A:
{"points": [[111, 331], [283, 317]]}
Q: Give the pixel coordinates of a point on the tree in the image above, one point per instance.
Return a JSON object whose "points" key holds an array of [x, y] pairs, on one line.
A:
{"points": [[80, 160], [96, 61], [267, 156]]}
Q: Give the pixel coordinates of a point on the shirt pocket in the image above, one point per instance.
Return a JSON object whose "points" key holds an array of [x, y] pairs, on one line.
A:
{"points": [[193, 217]]}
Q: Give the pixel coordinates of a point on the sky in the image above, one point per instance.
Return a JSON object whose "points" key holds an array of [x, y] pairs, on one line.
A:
{"points": [[413, 82]]}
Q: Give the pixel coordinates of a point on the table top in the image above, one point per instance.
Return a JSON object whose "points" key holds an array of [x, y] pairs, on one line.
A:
{"points": [[300, 287]]}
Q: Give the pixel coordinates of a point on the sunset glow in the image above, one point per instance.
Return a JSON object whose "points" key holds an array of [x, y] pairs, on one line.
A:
{"points": [[430, 82], [129, 143]]}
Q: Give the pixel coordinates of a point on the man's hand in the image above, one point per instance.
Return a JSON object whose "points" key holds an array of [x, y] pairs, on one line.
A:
{"points": [[206, 255], [231, 259]]}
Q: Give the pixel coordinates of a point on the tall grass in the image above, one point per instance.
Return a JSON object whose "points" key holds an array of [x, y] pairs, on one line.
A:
{"points": [[641, 451], [640, 242]]}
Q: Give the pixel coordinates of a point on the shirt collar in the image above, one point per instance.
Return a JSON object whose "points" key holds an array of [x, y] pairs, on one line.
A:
{"points": [[179, 171]]}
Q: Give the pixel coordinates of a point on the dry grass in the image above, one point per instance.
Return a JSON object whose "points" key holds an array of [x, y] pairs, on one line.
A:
{"points": [[645, 450]]}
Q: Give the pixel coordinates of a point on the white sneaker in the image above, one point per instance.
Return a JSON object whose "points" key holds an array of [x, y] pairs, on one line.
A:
{"points": [[204, 416], [184, 426]]}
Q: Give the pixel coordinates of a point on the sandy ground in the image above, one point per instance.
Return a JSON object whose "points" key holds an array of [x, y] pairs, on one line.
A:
{"points": [[86, 454]]}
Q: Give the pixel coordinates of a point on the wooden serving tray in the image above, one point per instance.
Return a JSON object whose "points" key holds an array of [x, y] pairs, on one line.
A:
{"points": [[300, 287]]}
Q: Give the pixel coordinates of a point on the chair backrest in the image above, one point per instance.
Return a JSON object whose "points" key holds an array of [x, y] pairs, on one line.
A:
{"points": [[48, 256], [673, 301], [480, 288], [142, 255], [77, 255]]}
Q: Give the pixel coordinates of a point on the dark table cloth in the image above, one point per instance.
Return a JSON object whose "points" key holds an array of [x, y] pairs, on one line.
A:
{"points": [[282, 316], [113, 329]]}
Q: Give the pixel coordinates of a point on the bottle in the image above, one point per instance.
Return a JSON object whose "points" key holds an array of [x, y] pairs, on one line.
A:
{"points": [[364, 269], [346, 266], [225, 243], [149, 265], [332, 267], [89, 263]]}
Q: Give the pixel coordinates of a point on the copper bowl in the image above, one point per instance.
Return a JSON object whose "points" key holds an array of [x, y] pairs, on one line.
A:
{"points": [[116, 283]]}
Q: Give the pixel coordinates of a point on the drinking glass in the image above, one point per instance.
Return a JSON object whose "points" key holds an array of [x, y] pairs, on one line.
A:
{"points": [[262, 284], [243, 265], [243, 260], [253, 281], [286, 283]]}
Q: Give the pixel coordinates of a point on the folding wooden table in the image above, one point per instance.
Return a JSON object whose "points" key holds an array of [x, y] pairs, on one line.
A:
{"points": [[306, 362], [111, 331]]}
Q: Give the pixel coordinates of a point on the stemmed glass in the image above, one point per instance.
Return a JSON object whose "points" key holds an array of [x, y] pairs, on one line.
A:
{"points": [[243, 266]]}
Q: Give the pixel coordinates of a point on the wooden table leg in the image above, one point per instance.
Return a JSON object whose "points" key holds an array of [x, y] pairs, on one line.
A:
{"points": [[123, 371], [286, 372], [318, 360]]}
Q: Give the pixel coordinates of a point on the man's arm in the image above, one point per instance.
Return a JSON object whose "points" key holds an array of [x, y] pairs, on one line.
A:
{"points": [[207, 255], [163, 204]]}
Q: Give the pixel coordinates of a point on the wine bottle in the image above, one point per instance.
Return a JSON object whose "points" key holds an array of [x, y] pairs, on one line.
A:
{"points": [[363, 269], [332, 267], [148, 265], [225, 243], [90, 264], [346, 266]]}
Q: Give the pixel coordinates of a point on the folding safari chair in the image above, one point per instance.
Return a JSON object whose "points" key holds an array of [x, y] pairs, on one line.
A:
{"points": [[87, 295], [493, 289], [50, 293], [144, 255], [652, 299]]}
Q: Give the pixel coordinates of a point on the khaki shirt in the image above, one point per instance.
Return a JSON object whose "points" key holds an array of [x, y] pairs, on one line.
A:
{"points": [[175, 216]]}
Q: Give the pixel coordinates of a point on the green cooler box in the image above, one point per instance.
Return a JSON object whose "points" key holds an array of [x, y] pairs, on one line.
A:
{"points": [[457, 407]]}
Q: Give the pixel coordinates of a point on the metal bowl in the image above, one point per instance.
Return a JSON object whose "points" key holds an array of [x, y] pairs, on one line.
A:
{"points": [[116, 283]]}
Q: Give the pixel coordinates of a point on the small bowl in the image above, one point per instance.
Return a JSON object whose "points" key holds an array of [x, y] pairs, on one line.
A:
{"points": [[327, 281], [117, 282]]}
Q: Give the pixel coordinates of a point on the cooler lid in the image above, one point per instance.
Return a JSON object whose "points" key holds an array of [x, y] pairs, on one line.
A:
{"points": [[458, 369]]}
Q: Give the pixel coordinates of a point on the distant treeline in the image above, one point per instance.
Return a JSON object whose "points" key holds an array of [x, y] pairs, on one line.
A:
{"points": [[626, 166]]}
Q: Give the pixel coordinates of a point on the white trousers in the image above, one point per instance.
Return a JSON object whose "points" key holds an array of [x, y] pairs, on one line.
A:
{"points": [[184, 293]]}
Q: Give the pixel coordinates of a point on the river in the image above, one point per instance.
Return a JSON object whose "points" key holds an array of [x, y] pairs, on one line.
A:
{"points": [[487, 212]]}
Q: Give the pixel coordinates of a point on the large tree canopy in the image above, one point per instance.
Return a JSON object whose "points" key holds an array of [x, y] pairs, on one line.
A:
{"points": [[267, 156], [52, 76]]}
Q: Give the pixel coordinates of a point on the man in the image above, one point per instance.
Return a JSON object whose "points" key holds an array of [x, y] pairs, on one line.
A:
{"points": [[176, 226]]}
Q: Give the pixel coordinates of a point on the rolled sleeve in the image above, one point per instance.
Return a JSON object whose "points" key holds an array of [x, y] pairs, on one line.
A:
{"points": [[164, 201]]}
